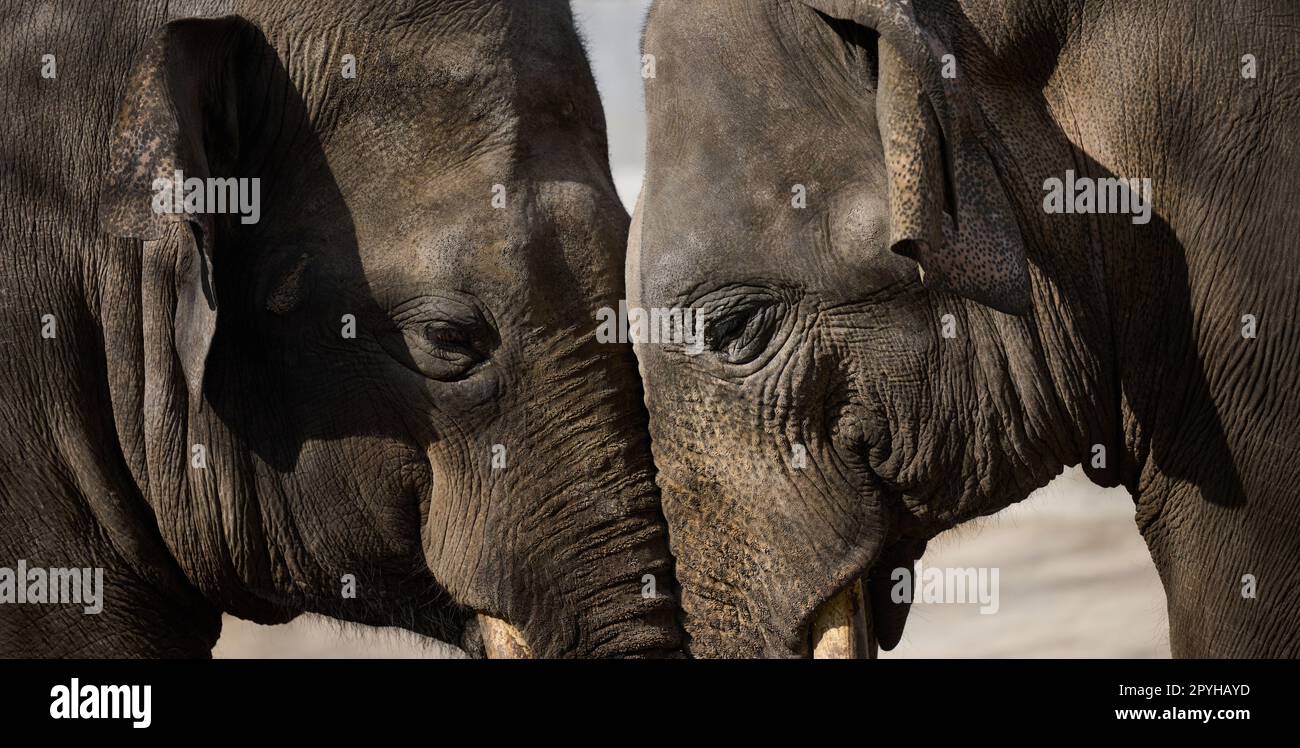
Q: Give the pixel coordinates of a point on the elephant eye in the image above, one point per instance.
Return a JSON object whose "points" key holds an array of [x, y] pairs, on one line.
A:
{"points": [[741, 334], [451, 343], [447, 337], [447, 351]]}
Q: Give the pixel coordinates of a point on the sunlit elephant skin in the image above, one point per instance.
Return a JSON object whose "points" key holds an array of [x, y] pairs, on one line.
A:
{"points": [[901, 337], [383, 401]]}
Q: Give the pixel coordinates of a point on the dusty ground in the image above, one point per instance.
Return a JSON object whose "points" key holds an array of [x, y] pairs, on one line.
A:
{"points": [[315, 637], [1075, 580]]}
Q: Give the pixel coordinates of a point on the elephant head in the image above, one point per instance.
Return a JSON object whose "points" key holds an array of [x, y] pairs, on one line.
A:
{"points": [[827, 200], [383, 400]]}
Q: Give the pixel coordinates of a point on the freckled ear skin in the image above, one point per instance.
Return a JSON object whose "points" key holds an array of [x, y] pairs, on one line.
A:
{"points": [[934, 152], [178, 113]]}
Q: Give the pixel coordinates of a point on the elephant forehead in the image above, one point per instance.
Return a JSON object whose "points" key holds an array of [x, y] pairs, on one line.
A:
{"points": [[740, 162], [438, 247], [681, 258], [433, 83], [415, 115], [775, 57], [724, 211], [561, 240]]}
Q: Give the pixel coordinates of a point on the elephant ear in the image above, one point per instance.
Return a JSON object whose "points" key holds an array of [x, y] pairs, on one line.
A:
{"points": [[178, 113], [948, 209]]}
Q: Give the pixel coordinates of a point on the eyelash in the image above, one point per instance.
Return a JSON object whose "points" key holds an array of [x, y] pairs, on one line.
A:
{"points": [[730, 327], [731, 336], [445, 337]]}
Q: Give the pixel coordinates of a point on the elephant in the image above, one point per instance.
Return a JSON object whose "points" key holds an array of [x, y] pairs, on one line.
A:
{"points": [[910, 323], [351, 370]]}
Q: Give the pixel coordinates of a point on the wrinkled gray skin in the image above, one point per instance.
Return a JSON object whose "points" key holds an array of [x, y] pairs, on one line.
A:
{"points": [[1121, 335], [326, 456]]}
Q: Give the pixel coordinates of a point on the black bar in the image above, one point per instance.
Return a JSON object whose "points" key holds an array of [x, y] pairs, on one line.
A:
{"points": [[1047, 697]]}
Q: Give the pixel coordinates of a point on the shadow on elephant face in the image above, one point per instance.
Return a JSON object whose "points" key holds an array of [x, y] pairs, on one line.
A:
{"points": [[848, 407], [392, 374]]}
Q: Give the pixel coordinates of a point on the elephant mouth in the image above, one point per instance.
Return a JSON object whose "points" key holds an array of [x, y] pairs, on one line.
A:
{"points": [[843, 627], [863, 617]]}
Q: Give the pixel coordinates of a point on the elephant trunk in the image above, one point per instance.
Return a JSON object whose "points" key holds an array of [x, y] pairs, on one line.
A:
{"points": [[563, 550], [742, 595], [723, 620], [615, 565]]}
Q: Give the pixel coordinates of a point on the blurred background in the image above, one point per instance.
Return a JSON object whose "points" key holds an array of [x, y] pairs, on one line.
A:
{"points": [[1075, 577]]}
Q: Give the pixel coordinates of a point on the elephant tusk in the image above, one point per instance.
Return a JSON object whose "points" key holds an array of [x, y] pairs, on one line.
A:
{"points": [[842, 628], [501, 641]]}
